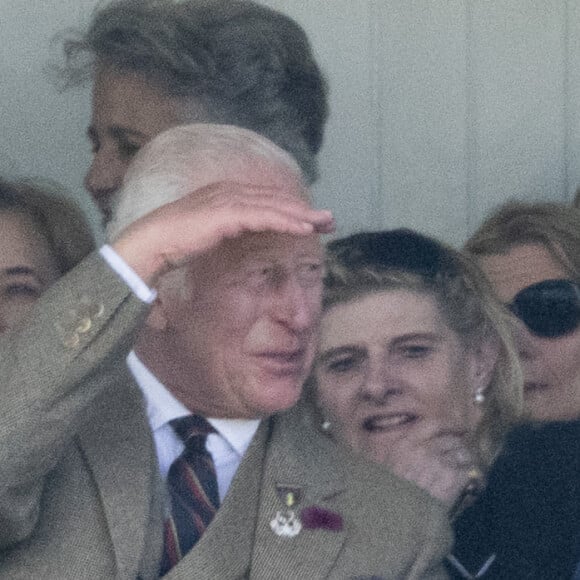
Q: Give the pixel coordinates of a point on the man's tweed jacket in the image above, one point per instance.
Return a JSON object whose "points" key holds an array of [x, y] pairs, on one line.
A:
{"points": [[80, 492]]}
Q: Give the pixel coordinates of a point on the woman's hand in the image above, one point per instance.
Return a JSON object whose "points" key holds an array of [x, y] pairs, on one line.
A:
{"points": [[439, 462]]}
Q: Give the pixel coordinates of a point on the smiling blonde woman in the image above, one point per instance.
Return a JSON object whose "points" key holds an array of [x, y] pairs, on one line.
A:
{"points": [[415, 368]]}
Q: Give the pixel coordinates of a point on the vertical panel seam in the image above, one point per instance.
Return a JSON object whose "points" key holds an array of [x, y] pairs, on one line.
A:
{"points": [[566, 103], [470, 119], [375, 49]]}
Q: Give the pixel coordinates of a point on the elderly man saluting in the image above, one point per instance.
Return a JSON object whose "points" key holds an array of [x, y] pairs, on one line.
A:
{"points": [[177, 460]]}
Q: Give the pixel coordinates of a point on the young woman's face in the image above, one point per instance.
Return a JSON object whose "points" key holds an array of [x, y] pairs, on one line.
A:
{"points": [[27, 267], [390, 370], [551, 365]]}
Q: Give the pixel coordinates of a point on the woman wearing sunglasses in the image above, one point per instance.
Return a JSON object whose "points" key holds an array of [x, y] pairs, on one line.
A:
{"points": [[529, 515], [531, 255]]}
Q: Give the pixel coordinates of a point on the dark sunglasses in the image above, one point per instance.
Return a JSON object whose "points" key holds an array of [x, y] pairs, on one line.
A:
{"points": [[549, 309]]}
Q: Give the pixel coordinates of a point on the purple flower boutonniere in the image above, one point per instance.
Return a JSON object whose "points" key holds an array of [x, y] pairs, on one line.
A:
{"points": [[317, 518]]}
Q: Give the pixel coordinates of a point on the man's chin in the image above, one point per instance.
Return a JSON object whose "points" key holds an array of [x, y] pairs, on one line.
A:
{"points": [[278, 397]]}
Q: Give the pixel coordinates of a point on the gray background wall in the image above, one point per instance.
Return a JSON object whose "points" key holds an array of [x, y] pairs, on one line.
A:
{"points": [[440, 108]]}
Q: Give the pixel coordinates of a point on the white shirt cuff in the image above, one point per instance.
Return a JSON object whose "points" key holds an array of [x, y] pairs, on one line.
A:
{"points": [[128, 275]]}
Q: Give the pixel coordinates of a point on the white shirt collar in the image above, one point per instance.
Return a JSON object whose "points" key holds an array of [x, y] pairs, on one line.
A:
{"points": [[163, 407]]}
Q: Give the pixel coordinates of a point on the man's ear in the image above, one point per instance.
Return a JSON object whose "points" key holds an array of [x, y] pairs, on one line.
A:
{"points": [[162, 309], [157, 318], [483, 358]]}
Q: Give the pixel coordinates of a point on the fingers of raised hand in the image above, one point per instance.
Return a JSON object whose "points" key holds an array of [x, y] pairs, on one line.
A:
{"points": [[239, 197], [228, 210], [174, 233]]}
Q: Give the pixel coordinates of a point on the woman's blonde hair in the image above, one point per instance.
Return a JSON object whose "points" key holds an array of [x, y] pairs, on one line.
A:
{"points": [[551, 225], [371, 262]]}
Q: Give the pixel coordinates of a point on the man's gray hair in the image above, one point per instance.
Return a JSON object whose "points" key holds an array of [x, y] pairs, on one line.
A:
{"points": [[188, 157], [243, 63]]}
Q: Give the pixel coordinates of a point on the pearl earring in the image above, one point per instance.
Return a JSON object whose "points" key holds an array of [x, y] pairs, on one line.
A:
{"points": [[479, 396], [326, 425]]}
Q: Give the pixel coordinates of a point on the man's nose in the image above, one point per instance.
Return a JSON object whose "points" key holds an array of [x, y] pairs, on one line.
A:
{"points": [[296, 306], [104, 178]]}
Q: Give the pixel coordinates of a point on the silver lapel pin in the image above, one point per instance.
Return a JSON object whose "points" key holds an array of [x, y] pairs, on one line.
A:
{"points": [[286, 522]]}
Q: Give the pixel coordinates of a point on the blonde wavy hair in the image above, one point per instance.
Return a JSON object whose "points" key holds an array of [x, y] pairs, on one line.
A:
{"points": [[554, 226]]}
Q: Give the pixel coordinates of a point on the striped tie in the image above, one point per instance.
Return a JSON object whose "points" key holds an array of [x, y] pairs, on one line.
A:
{"points": [[193, 490]]}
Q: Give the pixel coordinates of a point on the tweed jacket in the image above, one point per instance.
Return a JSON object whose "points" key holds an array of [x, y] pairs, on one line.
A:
{"points": [[81, 496]]}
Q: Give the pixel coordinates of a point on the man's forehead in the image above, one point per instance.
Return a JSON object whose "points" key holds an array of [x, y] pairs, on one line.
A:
{"points": [[269, 244], [237, 256]]}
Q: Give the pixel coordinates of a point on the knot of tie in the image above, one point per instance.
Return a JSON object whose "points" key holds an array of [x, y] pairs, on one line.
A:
{"points": [[192, 429]]}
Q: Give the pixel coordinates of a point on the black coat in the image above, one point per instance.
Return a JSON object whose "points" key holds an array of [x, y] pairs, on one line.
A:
{"points": [[529, 514]]}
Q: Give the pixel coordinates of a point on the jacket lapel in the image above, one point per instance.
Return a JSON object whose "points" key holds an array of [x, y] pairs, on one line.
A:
{"points": [[225, 549], [301, 460], [240, 541], [120, 451]]}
